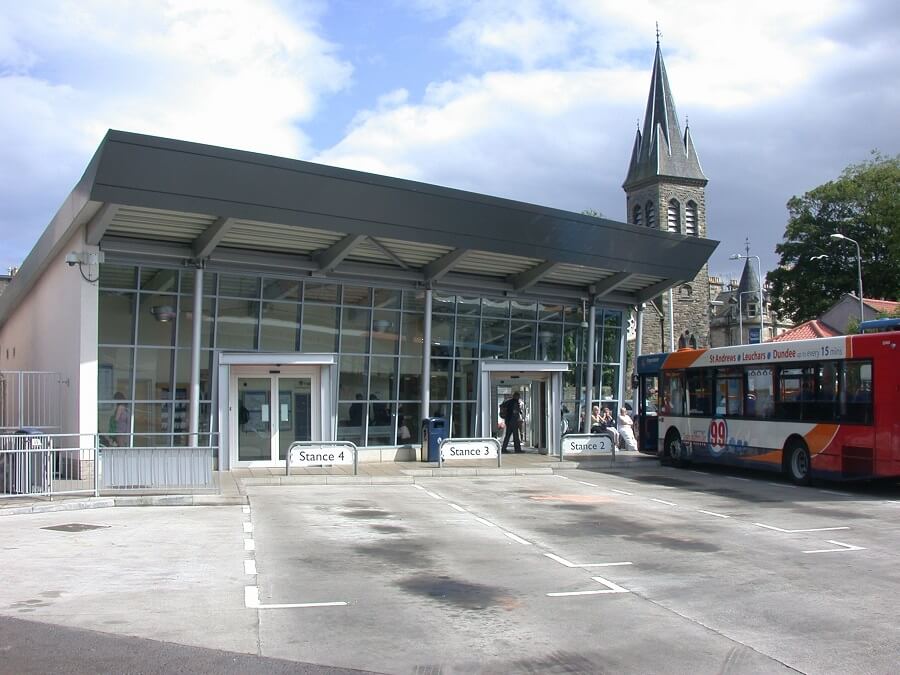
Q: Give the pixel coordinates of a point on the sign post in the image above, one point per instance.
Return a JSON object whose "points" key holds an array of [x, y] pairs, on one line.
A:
{"points": [[468, 448], [588, 445], [321, 453]]}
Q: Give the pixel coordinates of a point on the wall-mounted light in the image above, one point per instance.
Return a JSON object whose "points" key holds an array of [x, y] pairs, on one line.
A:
{"points": [[163, 313]]}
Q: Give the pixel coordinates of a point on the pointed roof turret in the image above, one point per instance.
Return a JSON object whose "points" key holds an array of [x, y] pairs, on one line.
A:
{"points": [[660, 149], [749, 281]]}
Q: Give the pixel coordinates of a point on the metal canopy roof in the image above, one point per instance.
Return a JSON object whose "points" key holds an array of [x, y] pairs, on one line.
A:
{"points": [[148, 196]]}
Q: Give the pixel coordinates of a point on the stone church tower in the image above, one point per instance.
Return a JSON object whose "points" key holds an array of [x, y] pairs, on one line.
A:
{"points": [[666, 189]]}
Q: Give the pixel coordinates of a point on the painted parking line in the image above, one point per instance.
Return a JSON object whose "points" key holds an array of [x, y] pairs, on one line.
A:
{"points": [[567, 563], [433, 495], [834, 492], [250, 567], [584, 482], [485, 522], [622, 492], [662, 501], [610, 588], [251, 601], [846, 547], [246, 509], [811, 529], [516, 538], [782, 485], [249, 545], [746, 480], [713, 513], [248, 527], [457, 507]]}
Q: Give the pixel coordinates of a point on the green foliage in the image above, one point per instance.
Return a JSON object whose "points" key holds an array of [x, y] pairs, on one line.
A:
{"points": [[863, 204], [594, 213]]}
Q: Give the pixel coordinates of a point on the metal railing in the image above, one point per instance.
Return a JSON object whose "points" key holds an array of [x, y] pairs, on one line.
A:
{"points": [[30, 399], [47, 465]]}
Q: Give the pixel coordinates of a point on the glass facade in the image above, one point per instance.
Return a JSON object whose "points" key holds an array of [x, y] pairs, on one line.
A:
{"points": [[146, 322]]}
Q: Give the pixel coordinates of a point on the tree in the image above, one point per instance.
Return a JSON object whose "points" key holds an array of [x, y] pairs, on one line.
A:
{"points": [[594, 213], [815, 270]]}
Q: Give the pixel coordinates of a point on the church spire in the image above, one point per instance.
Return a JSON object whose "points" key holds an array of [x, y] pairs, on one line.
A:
{"points": [[660, 149]]}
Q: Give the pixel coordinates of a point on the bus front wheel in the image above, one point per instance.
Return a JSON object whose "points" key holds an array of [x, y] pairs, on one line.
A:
{"points": [[798, 463], [674, 451]]}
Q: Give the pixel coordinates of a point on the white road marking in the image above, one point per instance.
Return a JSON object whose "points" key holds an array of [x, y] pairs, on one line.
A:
{"points": [[614, 588], [249, 567], [622, 492], [712, 513], [251, 601], [485, 522], [782, 485], [584, 482], [559, 476], [839, 494], [249, 545], [431, 494], [517, 539], [418, 487], [248, 527], [457, 507], [662, 501], [812, 529], [561, 595], [563, 561], [846, 547], [738, 478], [246, 509]]}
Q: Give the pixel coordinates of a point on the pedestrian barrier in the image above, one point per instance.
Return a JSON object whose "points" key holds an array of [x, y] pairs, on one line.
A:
{"points": [[587, 445], [321, 453], [468, 448]]}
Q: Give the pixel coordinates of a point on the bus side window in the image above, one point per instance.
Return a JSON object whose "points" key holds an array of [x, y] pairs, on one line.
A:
{"points": [[759, 401], [856, 397]]}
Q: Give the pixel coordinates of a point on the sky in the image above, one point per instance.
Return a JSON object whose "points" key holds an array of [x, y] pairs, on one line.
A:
{"points": [[533, 100]]}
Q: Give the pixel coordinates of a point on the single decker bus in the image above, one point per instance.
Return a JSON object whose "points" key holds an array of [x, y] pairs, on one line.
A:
{"points": [[825, 408]]}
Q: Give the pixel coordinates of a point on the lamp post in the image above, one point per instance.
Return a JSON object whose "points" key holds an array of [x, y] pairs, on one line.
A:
{"points": [[762, 324], [837, 235]]}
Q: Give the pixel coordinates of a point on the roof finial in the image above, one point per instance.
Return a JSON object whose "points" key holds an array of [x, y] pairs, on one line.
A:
{"points": [[658, 34], [747, 245], [637, 123], [687, 123]]}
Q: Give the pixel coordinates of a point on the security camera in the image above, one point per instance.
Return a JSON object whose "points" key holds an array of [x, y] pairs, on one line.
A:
{"points": [[73, 259]]}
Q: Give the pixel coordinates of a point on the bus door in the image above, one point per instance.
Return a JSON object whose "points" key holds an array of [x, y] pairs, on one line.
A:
{"points": [[648, 422]]}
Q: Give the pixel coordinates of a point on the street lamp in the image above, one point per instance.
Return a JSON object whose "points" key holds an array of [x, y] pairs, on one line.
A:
{"points": [[762, 324], [837, 235]]}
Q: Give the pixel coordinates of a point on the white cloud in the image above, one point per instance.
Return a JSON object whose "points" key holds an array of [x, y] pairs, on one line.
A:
{"points": [[242, 73]]}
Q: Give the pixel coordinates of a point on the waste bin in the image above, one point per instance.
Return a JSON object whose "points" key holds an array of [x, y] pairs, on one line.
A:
{"points": [[434, 430], [24, 461]]}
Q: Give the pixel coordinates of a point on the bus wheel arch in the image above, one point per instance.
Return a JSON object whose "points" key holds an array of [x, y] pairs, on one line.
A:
{"points": [[797, 463]]}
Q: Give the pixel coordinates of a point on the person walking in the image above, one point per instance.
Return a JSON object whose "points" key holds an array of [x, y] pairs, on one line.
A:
{"points": [[511, 412]]}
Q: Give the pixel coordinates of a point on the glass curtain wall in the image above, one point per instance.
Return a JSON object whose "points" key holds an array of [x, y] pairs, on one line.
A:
{"points": [[146, 321]]}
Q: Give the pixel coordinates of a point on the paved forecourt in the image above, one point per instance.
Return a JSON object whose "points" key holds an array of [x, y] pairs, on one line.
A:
{"points": [[586, 570]]}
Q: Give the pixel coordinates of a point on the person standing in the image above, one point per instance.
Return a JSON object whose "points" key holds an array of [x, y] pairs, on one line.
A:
{"points": [[626, 430], [511, 412]]}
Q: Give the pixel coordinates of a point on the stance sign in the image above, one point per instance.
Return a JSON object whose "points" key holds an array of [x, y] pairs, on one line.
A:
{"points": [[319, 455], [469, 448], [586, 444]]}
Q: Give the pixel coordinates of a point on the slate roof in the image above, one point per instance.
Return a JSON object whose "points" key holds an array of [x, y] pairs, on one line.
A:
{"points": [[661, 150]]}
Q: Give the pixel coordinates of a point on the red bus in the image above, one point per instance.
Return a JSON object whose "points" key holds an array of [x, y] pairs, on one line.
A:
{"points": [[826, 408]]}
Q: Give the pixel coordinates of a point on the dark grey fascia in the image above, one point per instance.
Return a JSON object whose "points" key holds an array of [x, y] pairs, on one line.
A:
{"points": [[174, 175]]}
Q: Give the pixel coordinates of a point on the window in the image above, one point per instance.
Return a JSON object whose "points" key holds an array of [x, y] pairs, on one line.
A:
{"points": [[651, 214], [751, 309], [690, 219], [674, 216], [729, 391], [759, 401], [856, 393], [699, 389], [672, 393], [636, 215]]}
